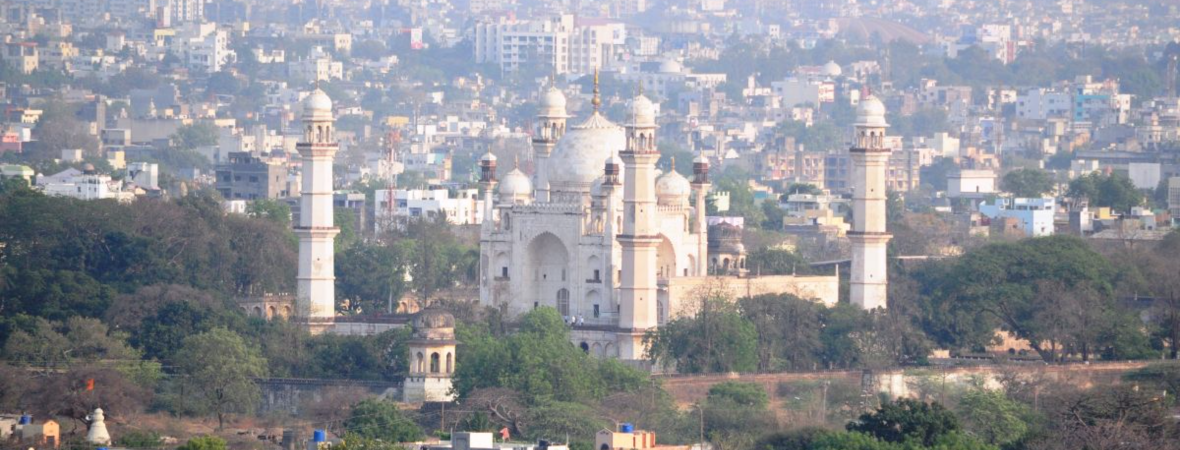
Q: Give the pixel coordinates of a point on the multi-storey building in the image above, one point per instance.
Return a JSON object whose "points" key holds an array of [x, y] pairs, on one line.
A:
{"points": [[561, 44], [248, 177]]}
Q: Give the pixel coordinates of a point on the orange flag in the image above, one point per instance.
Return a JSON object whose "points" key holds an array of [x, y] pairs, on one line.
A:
{"points": [[90, 384]]}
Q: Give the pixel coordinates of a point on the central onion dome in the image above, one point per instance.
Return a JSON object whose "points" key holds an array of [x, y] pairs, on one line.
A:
{"points": [[317, 106], [434, 324], [577, 160], [832, 69], [552, 103], [515, 187], [871, 113], [672, 188]]}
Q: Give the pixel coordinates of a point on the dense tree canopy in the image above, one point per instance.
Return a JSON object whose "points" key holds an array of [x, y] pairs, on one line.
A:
{"points": [[1055, 292], [1114, 191], [539, 362], [1028, 183]]}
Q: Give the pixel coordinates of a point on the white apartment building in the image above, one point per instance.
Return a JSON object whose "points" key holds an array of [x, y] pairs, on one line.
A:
{"points": [[563, 43], [1034, 214], [795, 92], [318, 66], [462, 209], [203, 46], [971, 183], [83, 185], [1041, 104]]}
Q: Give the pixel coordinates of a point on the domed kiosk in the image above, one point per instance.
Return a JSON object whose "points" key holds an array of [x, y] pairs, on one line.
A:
{"points": [[432, 358]]}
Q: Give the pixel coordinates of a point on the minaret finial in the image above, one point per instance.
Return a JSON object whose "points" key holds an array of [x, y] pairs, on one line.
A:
{"points": [[640, 87], [672, 160], [597, 102], [516, 161]]}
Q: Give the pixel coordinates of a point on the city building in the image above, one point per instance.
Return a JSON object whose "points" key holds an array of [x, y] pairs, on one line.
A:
{"points": [[1033, 216], [971, 183], [559, 44], [85, 184], [249, 177], [464, 208]]}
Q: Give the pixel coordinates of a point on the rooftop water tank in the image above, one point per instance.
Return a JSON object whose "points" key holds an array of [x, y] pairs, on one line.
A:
{"points": [[319, 436], [26, 419], [627, 428]]}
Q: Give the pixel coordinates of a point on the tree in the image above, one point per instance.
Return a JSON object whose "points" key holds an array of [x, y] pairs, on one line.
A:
{"points": [[203, 443], [221, 369], [773, 261], [1028, 182], [190, 137], [788, 330], [539, 362], [1114, 191], [735, 413], [715, 339], [67, 394], [992, 417], [59, 129], [1021, 287], [269, 209], [907, 420], [382, 420]]}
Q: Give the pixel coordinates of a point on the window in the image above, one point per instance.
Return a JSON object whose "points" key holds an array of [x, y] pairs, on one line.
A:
{"points": [[597, 275], [504, 272], [563, 302], [434, 363], [596, 313]]}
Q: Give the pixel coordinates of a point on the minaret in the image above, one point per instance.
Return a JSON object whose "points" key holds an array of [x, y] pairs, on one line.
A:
{"points": [[640, 234], [316, 303], [550, 127], [700, 185], [869, 286], [487, 184]]}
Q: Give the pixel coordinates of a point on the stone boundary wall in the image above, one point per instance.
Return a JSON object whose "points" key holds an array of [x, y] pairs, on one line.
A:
{"points": [[688, 389]]}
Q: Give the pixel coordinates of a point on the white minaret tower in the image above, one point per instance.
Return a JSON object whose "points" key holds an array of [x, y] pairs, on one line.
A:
{"points": [[550, 127], [870, 157], [316, 304], [640, 234]]}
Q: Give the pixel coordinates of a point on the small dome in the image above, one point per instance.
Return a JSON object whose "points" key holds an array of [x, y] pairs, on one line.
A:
{"points": [[832, 69], [434, 323], [88, 169], [700, 159], [643, 111], [871, 113], [670, 66], [672, 188], [515, 184], [317, 105], [488, 157], [552, 103]]}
